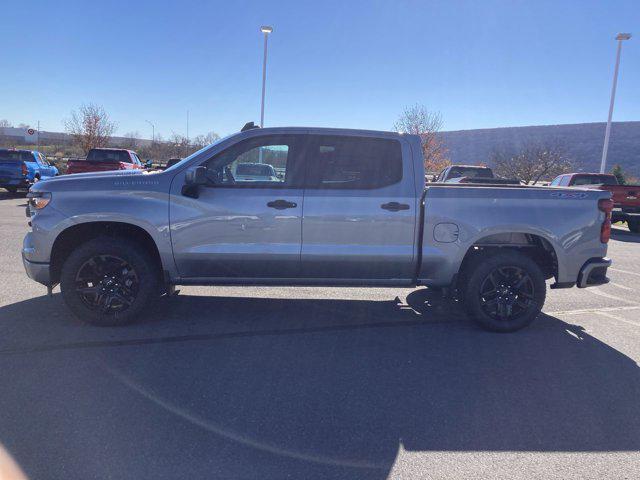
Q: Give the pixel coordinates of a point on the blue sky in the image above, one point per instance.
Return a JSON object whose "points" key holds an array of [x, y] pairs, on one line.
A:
{"points": [[342, 63]]}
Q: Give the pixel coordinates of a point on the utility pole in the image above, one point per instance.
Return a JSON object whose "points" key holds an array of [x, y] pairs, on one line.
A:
{"points": [[603, 164], [153, 132], [266, 30]]}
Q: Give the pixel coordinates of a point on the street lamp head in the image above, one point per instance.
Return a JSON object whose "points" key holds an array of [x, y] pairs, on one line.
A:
{"points": [[266, 29], [623, 36]]}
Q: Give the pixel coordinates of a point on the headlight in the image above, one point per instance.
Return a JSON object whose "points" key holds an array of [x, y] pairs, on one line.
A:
{"points": [[38, 200]]}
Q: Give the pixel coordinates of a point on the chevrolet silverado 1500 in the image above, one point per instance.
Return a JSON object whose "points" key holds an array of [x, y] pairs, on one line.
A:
{"points": [[350, 208]]}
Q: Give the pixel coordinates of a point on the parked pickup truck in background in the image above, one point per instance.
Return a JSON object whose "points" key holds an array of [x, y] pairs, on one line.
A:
{"points": [[626, 198], [19, 169], [350, 209], [106, 159], [472, 174]]}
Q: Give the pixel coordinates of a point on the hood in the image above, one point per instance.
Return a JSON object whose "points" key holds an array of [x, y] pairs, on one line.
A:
{"points": [[82, 181], [108, 173]]}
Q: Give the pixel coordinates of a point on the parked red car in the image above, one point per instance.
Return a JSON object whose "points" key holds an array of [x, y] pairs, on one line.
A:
{"points": [[626, 198], [105, 159]]}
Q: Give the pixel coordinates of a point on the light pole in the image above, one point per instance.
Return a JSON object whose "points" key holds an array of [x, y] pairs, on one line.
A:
{"points": [[153, 131], [266, 30], [620, 37]]}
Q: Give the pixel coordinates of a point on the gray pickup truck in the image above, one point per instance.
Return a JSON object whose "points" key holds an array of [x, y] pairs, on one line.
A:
{"points": [[349, 208]]}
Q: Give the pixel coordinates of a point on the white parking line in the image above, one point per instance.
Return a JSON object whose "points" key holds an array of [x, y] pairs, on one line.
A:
{"points": [[593, 310], [621, 286], [608, 315], [597, 291], [625, 271]]}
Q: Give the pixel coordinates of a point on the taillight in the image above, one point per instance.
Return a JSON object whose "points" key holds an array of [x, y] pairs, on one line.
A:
{"points": [[605, 205], [25, 171]]}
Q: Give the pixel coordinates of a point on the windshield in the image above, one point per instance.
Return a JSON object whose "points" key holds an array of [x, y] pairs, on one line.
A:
{"points": [[456, 172], [198, 152], [255, 169], [594, 180], [9, 156], [113, 156]]}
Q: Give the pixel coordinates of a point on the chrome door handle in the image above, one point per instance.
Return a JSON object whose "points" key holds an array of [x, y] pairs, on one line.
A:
{"points": [[394, 206], [281, 204]]}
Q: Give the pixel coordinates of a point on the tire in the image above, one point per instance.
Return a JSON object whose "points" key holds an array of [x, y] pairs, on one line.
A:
{"points": [[504, 292], [109, 281], [634, 225]]}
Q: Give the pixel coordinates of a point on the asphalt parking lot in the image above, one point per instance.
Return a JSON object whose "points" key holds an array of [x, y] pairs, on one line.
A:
{"points": [[320, 383]]}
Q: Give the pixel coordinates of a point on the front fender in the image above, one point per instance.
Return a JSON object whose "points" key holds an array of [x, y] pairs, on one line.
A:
{"points": [[147, 210]]}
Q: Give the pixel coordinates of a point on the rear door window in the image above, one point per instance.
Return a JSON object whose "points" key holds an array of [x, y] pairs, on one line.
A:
{"points": [[111, 156], [346, 162]]}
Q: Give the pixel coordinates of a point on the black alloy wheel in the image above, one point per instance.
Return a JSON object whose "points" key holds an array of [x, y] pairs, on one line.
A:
{"points": [[107, 284]]}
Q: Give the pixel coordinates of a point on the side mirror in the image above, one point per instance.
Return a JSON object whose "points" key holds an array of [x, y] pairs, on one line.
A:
{"points": [[194, 177], [148, 163]]}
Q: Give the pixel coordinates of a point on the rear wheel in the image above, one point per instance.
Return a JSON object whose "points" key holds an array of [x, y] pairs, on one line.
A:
{"points": [[109, 281], [634, 225], [504, 292]]}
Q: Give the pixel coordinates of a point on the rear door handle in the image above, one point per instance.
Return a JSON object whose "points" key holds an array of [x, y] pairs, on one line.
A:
{"points": [[281, 204], [394, 206]]}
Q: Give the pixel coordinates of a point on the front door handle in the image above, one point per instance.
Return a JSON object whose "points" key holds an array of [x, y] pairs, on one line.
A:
{"points": [[394, 206], [281, 204]]}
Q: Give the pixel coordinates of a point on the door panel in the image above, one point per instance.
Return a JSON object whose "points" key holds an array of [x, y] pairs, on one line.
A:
{"points": [[248, 221], [357, 230], [231, 232], [351, 236]]}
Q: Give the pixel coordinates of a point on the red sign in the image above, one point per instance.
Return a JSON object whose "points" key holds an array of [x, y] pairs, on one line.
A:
{"points": [[31, 131]]}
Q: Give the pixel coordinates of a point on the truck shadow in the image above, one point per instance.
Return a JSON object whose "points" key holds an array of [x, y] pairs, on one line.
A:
{"points": [[624, 235], [315, 388]]}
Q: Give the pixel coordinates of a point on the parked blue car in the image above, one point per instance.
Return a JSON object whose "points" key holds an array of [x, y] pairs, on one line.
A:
{"points": [[19, 169]]}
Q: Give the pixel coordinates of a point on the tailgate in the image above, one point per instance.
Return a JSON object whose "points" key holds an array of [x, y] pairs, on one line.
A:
{"points": [[83, 166], [625, 195], [10, 170]]}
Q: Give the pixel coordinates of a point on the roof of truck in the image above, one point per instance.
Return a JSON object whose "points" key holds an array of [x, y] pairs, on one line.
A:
{"points": [[329, 130]]}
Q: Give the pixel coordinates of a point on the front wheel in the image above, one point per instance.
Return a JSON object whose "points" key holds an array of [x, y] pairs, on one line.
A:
{"points": [[634, 225], [504, 292], [109, 281]]}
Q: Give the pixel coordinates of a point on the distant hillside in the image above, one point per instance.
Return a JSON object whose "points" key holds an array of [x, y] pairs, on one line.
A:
{"points": [[582, 141]]}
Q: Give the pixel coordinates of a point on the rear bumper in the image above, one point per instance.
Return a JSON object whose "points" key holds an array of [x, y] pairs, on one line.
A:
{"points": [[14, 182], [594, 272]]}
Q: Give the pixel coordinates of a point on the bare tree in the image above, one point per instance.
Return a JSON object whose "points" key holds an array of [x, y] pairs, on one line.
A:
{"points": [[4, 123], [533, 163], [420, 121], [90, 127], [130, 140], [23, 125], [203, 140]]}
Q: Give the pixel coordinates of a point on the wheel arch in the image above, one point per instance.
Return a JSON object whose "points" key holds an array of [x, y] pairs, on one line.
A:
{"points": [[75, 235], [536, 246]]}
